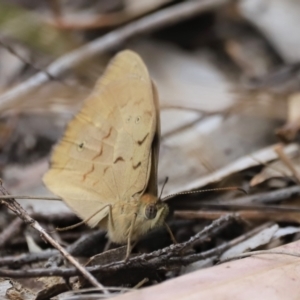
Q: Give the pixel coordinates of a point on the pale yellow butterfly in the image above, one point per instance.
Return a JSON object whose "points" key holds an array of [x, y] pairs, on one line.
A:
{"points": [[105, 166]]}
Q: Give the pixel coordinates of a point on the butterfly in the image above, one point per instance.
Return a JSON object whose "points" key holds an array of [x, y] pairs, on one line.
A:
{"points": [[105, 165]]}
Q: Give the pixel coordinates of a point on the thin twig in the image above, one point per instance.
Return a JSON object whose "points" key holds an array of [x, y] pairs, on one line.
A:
{"points": [[15, 207], [31, 197], [12, 51], [149, 23], [181, 128], [267, 197], [260, 252], [194, 109], [86, 246], [11, 230], [28, 258], [141, 283]]}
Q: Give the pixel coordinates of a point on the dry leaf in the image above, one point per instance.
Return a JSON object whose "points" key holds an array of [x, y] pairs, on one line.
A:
{"points": [[265, 277], [259, 239], [277, 169]]}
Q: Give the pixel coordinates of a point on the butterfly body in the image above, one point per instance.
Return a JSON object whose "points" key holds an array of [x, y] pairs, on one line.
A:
{"points": [[119, 228], [105, 166]]}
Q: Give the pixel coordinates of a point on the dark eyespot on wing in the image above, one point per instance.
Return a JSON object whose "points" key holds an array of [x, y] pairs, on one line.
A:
{"points": [[141, 142], [89, 172], [137, 165], [120, 158]]}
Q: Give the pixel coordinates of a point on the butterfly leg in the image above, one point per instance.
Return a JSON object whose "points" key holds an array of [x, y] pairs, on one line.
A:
{"points": [[107, 246], [129, 237], [170, 233], [112, 225], [110, 217]]}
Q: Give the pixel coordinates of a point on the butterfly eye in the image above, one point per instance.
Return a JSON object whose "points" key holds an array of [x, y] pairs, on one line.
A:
{"points": [[150, 211], [80, 146], [138, 119]]}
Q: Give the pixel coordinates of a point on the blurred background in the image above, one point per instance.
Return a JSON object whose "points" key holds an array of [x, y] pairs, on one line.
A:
{"points": [[227, 74]]}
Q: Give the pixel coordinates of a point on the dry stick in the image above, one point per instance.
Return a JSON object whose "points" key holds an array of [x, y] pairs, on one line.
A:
{"points": [[78, 248], [141, 283], [163, 258], [15, 207], [201, 236], [217, 251], [260, 252], [152, 22], [28, 258], [180, 128], [11, 230], [25, 61], [194, 109]]}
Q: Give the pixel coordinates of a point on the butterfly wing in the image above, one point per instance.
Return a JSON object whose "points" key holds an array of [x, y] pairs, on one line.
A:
{"points": [[152, 182], [105, 154]]}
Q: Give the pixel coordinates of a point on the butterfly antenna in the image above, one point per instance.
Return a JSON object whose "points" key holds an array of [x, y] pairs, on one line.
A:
{"points": [[82, 222], [163, 186], [234, 188]]}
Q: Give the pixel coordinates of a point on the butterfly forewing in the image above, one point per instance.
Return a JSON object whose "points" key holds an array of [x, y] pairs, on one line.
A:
{"points": [[105, 154]]}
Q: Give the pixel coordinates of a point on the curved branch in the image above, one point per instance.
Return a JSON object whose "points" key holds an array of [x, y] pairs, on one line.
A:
{"points": [[152, 22]]}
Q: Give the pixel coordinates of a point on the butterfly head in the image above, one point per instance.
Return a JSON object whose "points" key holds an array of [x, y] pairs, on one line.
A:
{"points": [[155, 210]]}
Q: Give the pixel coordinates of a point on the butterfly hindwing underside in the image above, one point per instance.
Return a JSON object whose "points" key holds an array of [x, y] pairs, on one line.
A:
{"points": [[106, 153]]}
